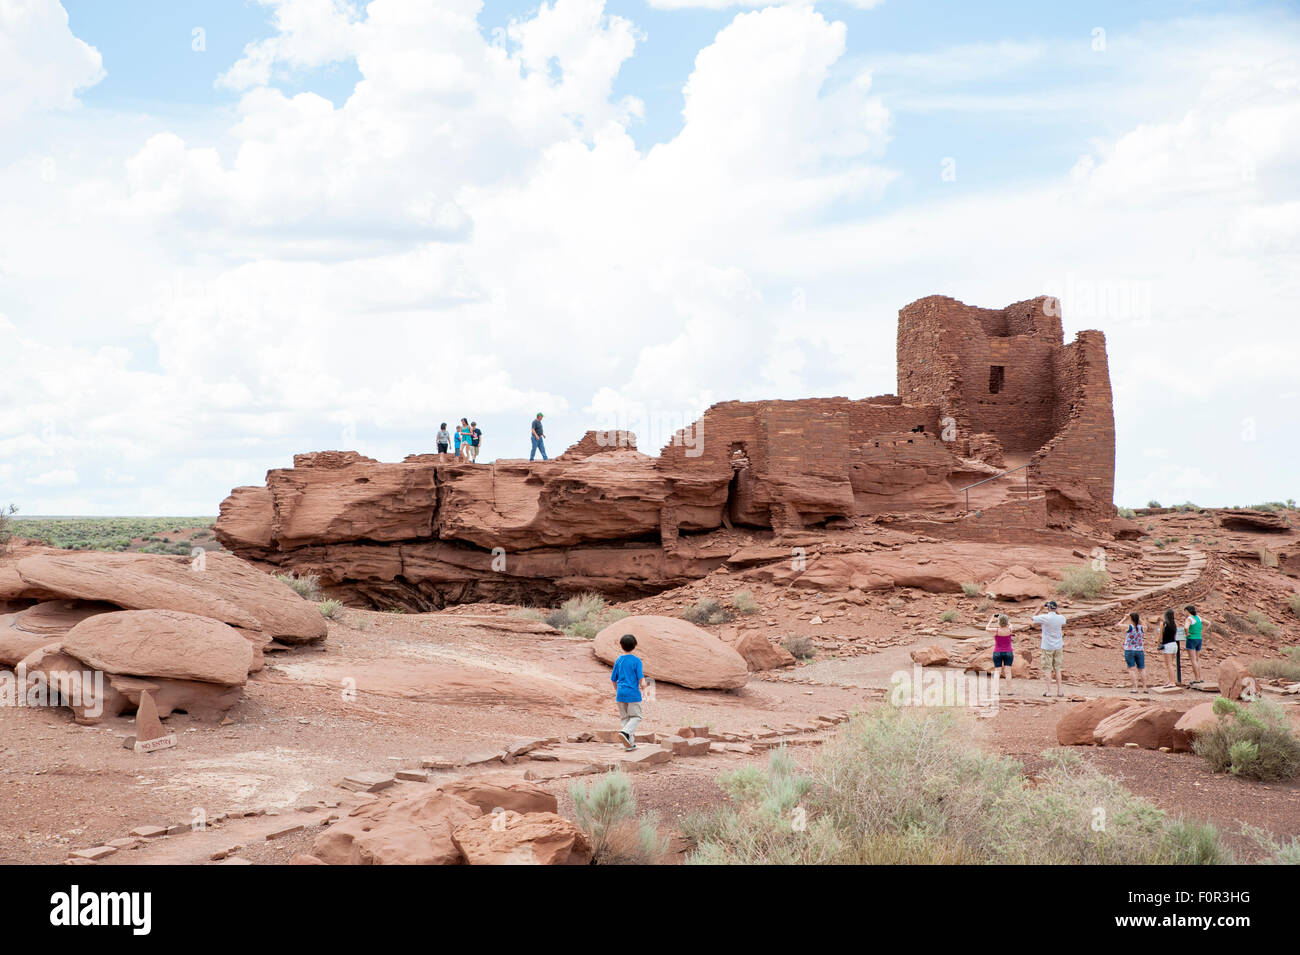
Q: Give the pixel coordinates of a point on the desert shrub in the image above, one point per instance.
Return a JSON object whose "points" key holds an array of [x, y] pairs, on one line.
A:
{"points": [[1288, 669], [583, 616], [1160, 544], [801, 648], [7, 527], [1279, 853], [1261, 623], [1127, 512], [530, 613], [972, 590], [706, 611], [744, 602], [899, 785], [984, 605], [1237, 623], [307, 586], [1255, 742], [1293, 604], [331, 609], [1153, 503], [606, 811], [360, 622], [1083, 581], [1187, 506], [948, 616]]}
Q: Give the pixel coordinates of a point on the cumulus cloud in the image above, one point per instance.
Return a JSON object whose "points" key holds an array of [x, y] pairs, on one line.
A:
{"points": [[474, 230], [42, 65]]}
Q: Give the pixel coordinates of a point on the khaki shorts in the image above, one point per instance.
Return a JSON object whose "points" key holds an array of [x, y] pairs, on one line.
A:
{"points": [[1052, 660], [628, 710]]}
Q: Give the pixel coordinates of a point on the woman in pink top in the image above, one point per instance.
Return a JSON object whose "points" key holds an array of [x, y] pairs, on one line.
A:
{"points": [[1000, 626]]}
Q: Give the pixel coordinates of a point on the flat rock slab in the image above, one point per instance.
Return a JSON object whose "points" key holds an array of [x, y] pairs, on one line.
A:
{"points": [[368, 782]]}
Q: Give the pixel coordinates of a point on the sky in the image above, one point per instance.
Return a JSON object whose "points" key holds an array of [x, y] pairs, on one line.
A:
{"points": [[236, 230]]}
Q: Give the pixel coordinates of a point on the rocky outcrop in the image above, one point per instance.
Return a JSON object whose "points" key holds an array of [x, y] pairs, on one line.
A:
{"points": [[511, 838], [1076, 727], [1019, 583], [430, 531], [1247, 519], [414, 830], [163, 643], [1149, 726], [930, 656], [675, 651]]}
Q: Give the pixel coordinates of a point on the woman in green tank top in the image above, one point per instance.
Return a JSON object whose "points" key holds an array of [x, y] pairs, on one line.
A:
{"points": [[1194, 625]]}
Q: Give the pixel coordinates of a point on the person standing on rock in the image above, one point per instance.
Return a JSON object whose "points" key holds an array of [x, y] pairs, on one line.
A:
{"points": [[1003, 656], [463, 435], [444, 438], [457, 442], [475, 438], [1135, 657], [537, 436], [1053, 645], [628, 678], [1195, 626], [1169, 646]]}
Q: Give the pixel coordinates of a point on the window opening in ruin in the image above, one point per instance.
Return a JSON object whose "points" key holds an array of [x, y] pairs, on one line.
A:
{"points": [[997, 376]]}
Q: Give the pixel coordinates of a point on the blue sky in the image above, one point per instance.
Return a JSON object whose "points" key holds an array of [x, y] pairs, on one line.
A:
{"points": [[344, 222]]}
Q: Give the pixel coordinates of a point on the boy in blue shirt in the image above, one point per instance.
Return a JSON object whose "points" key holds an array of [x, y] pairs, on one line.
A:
{"points": [[628, 679]]}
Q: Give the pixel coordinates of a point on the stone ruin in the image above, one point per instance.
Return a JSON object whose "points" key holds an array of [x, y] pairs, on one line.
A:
{"points": [[980, 392]]}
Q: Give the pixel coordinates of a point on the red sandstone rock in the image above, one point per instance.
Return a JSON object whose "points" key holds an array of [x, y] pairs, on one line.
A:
{"points": [[511, 838], [1232, 677], [759, 652], [1020, 583], [1247, 519], [521, 797], [1201, 718], [1076, 727], [225, 588], [164, 643], [930, 656], [415, 830], [972, 383], [675, 651], [1150, 725]]}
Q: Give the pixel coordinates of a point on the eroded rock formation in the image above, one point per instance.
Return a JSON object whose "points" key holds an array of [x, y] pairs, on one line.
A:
{"points": [[980, 391]]}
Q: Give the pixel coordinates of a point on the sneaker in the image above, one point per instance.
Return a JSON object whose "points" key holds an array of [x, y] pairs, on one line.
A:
{"points": [[628, 742]]}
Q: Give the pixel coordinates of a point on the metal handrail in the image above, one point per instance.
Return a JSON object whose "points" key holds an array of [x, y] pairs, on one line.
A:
{"points": [[1022, 467]]}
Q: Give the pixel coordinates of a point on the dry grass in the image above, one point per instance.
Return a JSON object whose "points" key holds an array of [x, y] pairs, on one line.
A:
{"points": [[1082, 581], [1253, 741]]}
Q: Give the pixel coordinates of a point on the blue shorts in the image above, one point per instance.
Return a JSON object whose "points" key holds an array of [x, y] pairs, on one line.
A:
{"points": [[1194, 644], [1002, 658], [1135, 658]]}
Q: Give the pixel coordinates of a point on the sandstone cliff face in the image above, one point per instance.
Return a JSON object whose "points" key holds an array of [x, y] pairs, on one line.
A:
{"points": [[980, 388]]}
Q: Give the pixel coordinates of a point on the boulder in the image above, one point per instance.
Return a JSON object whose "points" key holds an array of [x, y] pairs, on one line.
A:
{"points": [[1125, 529], [675, 651], [759, 652], [1248, 519], [1076, 727], [1199, 719], [931, 656], [223, 587], [86, 692], [511, 838], [414, 830], [163, 643], [1149, 725], [16, 644], [1232, 677], [521, 797], [1020, 583], [1021, 661]]}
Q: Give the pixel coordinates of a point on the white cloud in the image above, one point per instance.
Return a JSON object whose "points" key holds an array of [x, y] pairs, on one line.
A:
{"points": [[42, 65], [475, 231], [63, 477]]}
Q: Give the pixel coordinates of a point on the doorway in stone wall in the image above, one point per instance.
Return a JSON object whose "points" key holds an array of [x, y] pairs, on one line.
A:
{"points": [[997, 378]]}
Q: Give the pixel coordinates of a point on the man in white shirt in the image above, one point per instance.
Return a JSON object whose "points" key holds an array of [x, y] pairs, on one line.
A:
{"points": [[1053, 645]]}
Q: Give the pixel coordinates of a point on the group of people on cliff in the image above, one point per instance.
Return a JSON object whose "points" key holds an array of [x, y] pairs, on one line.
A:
{"points": [[468, 438], [1052, 646]]}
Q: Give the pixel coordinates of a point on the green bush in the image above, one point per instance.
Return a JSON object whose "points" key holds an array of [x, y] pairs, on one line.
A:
{"points": [[903, 785], [606, 811], [948, 616], [972, 590], [706, 611], [1083, 581], [1288, 669], [801, 648], [1261, 623], [744, 602], [1153, 503], [306, 586], [583, 616], [1279, 853], [331, 609], [1254, 741], [1126, 512]]}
